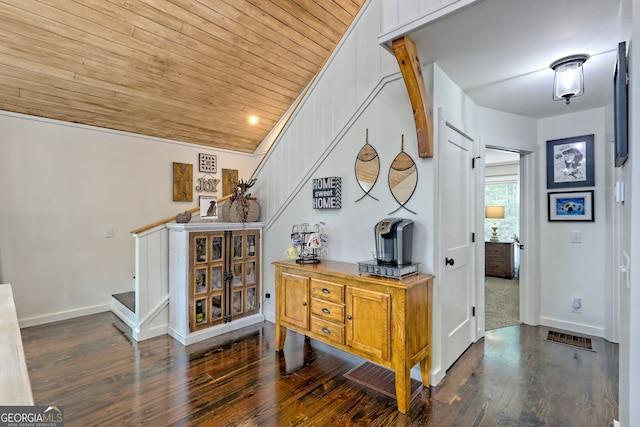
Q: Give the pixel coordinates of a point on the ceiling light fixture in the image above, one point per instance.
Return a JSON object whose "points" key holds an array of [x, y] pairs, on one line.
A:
{"points": [[253, 120], [569, 78]]}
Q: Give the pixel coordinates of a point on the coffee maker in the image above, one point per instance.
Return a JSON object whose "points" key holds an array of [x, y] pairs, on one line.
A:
{"points": [[394, 239]]}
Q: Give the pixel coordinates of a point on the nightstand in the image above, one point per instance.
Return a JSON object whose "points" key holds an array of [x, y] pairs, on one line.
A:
{"points": [[498, 259]]}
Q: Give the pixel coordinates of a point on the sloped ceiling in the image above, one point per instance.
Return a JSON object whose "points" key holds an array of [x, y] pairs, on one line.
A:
{"points": [[189, 70]]}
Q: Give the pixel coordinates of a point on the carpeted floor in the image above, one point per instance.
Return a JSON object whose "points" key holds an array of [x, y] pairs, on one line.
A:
{"points": [[502, 302]]}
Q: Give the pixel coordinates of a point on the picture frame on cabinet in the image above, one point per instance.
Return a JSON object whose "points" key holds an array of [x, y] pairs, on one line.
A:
{"points": [[208, 207], [571, 206], [570, 162]]}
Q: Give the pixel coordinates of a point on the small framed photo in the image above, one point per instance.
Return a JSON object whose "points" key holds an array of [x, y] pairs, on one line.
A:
{"points": [[208, 207], [571, 206], [570, 162], [207, 163]]}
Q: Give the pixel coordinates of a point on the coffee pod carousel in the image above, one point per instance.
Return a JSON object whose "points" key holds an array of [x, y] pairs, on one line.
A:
{"points": [[308, 244]]}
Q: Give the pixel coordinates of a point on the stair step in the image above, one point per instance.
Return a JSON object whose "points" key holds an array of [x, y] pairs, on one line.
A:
{"points": [[128, 299]]}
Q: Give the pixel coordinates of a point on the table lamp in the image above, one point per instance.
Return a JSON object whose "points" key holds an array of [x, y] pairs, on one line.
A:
{"points": [[494, 212]]}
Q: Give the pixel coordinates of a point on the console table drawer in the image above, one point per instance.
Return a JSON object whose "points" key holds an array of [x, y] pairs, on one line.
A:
{"points": [[327, 310], [329, 330], [327, 291]]}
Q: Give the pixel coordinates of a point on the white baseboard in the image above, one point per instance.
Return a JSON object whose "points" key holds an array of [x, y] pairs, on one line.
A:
{"points": [[213, 331], [145, 334], [572, 327], [126, 315], [269, 316], [436, 376], [63, 315]]}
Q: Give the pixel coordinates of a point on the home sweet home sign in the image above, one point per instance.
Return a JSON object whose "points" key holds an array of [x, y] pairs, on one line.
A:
{"points": [[327, 193]]}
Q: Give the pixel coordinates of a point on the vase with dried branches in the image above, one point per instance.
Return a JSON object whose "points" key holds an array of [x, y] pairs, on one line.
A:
{"points": [[244, 207]]}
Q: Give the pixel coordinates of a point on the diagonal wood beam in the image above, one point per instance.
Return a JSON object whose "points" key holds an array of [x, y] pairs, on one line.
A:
{"points": [[407, 56]]}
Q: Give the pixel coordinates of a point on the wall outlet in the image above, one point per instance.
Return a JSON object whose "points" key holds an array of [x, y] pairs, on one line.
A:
{"points": [[576, 237], [576, 305]]}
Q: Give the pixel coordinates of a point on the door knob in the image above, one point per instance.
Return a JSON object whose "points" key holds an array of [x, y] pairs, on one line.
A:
{"points": [[449, 261]]}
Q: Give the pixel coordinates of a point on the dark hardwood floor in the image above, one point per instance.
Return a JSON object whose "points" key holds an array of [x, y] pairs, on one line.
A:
{"points": [[513, 377]]}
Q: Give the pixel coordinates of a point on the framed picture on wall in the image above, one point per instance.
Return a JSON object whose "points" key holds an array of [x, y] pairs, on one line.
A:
{"points": [[208, 207], [570, 162], [571, 206], [207, 163]]}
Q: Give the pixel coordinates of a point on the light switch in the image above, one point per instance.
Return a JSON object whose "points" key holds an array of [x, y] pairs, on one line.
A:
{"points": [[576, 237], [620, 192]]}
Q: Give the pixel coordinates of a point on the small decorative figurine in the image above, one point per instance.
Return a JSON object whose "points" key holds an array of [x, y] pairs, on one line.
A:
{"points": [[183, 217]]}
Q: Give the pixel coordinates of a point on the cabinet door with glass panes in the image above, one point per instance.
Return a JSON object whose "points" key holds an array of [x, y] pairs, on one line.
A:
{"points": [[224, 282], [206, 287], [244, 288]]}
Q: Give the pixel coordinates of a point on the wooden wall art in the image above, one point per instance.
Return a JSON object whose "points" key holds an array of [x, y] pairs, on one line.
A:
{"points": [[403, 178], [229, 181], [182, 182], [367, 168]]}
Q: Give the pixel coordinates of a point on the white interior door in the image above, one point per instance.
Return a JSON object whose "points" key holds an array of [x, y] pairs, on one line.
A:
{"points": [[456, 207]]}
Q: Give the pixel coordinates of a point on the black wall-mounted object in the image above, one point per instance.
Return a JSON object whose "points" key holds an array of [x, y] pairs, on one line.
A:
{"points": [[620, 106]]}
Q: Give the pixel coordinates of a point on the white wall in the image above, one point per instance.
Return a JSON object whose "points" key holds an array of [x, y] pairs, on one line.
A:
{"points": [[506, 130], [553, 282], [350, 228], [569, 270], [62, 185]]}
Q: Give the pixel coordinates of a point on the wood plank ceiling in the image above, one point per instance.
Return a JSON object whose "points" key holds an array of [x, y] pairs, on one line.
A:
{"points": [[188, 70]]}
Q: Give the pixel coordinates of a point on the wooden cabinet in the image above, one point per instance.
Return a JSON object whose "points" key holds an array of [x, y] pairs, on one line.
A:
{"points": [[214, 279], [386, 321], [498, 259], [223, 278], [295, 309], [368, 329]]}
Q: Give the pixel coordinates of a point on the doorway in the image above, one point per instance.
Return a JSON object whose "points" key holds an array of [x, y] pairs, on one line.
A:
{"points": [[502, 238]]}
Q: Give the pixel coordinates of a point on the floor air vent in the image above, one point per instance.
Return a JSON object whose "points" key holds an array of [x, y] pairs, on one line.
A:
{"points": [[568, 339], [380, 379]]}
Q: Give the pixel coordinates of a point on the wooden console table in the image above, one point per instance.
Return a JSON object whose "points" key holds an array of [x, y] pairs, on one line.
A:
{"points": [[386, 321]]}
